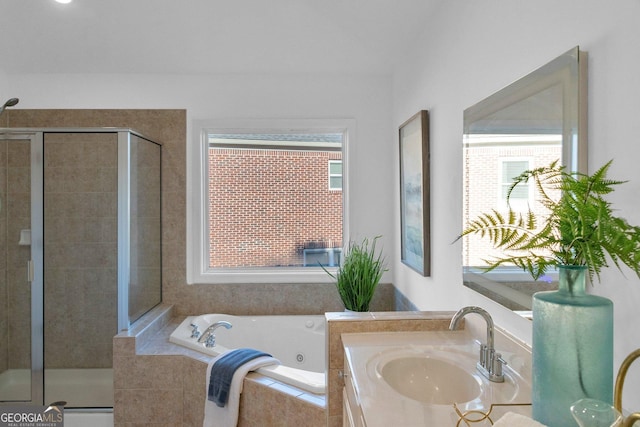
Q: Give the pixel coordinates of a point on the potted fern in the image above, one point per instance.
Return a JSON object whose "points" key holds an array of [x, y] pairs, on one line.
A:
{"points": [[580, 229], [358, 275], [580, 235]]}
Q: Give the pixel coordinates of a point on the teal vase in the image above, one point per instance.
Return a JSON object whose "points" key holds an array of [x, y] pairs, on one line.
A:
{"points": [[572, 348]]}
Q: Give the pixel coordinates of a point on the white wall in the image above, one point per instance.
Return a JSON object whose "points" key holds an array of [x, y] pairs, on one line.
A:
{"points": [[472, 49], [4, 87], [6, 91]]}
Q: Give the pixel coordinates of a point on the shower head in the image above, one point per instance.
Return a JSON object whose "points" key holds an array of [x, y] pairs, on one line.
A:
{"points": [[10, 103]]}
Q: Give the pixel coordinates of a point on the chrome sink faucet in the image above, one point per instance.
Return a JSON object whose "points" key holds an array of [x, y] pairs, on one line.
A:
{"points": [[208, 338], [490, 363]]}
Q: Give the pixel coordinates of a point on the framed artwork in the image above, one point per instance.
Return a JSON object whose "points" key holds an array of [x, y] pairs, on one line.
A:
{"points": [[414, 193]]}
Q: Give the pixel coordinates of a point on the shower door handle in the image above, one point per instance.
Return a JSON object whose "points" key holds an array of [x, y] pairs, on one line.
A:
{"points": [[30, 271]]}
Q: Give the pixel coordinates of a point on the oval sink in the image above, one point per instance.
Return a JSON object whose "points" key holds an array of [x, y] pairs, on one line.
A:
{"points": [[430, 380]]}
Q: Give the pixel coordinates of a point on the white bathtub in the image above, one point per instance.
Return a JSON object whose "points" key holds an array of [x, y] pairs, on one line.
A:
{"points": [[297, 341]]}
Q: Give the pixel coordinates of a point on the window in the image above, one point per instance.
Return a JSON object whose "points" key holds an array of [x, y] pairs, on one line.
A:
{"points": [[522, 192], [266, 212], [335, 175]]}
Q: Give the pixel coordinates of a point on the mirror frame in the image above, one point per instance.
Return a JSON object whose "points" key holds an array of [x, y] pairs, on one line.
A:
{"points": [[569, 70]]}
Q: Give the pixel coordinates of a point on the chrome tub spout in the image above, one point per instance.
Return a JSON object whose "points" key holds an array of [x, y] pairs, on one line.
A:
{"points": [[208, 337]]}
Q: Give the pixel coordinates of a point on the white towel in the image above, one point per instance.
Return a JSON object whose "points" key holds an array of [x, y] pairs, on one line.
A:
{"points": [[215, 416], [511, 419]]}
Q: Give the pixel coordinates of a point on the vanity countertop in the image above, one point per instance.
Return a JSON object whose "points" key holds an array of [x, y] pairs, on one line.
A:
{"points": [[381, 405]]}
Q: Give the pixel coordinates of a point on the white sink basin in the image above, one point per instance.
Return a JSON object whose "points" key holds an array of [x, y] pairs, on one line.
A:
{"points": [[430, 380], [413, 379], [434, 375]]}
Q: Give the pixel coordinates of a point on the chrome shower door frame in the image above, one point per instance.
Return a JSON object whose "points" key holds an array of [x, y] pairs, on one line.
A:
{"points": [[36, 268]]}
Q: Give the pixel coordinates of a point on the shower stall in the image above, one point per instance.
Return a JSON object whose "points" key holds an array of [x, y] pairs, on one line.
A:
{"points": [[80, 258]]}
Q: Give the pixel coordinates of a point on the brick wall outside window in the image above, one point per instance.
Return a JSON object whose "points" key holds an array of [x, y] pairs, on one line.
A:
{"points": [[266, 206], [483, 182]]}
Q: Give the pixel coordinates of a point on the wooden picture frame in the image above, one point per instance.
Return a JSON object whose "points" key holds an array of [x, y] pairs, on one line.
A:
{"points": [[415, 240]]}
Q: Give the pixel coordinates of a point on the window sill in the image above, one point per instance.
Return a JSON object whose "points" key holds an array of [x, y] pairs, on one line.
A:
{"points": [[263, 275]]}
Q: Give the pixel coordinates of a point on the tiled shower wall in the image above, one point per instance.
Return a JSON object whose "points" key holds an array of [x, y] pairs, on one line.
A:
{"points": [[81, 286]]}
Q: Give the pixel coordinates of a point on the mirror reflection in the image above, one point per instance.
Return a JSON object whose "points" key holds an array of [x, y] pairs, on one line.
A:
{"points": [[528, 124]]}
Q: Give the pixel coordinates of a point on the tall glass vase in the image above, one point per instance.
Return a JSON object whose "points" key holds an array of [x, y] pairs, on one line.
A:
{"points": [[572, 348]]}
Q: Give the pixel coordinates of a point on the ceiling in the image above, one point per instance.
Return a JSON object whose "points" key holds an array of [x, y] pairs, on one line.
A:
{"points": [[208, 36]]}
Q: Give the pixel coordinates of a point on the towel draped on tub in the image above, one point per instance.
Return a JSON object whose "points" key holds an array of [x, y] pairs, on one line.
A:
{"points": [[223, 370], [225, 376]]}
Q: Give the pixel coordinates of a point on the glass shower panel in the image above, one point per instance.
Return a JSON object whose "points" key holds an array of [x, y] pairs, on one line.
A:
{"points": [[15, 253], [145, 268], [80, 267]]}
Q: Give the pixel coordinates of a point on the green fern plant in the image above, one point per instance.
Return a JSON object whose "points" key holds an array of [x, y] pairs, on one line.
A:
{"points": [[359, 274], [579, 229]]}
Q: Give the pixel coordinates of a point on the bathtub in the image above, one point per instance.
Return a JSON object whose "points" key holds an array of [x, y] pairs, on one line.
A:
{"points": [[297, 341]]}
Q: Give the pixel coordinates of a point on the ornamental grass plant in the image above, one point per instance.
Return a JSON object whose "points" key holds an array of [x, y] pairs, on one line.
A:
{"points": [[359, 274]]}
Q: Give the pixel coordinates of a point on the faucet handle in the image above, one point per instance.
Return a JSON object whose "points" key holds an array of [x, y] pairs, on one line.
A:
{"points": [[210, 342], [195, 333], [497, 364], [485, 357]]}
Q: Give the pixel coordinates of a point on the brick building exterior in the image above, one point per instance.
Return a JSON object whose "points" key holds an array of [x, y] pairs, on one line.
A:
{"points": [[483, 184], [271, 207]]}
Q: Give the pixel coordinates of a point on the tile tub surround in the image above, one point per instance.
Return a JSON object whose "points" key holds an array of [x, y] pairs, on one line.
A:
{"points": [[342, 322], [158, 383]]}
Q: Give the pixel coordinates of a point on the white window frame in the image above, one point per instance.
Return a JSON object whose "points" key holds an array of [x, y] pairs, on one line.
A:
{"points": [[333, 175], [198, 271], [517, 204]]}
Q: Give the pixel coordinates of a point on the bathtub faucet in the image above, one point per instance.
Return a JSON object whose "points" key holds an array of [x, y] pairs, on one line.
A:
{"points": [[490, 364], [208, 338]]}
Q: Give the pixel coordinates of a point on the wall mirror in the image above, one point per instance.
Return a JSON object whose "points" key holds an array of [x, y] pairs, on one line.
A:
{"points": [[528, 124]]}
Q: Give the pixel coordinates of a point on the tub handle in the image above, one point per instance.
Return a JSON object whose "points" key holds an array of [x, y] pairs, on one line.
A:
{"points": [[195, 333], [210, 342]]}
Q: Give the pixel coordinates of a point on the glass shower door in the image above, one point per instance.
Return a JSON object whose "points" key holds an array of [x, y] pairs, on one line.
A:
{"points": [[20, 290]]}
